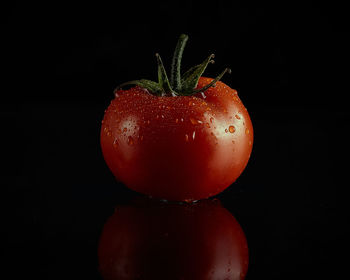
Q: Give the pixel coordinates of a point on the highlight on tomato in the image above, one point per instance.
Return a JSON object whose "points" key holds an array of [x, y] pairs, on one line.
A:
{"points": [[155, 240], [184, 138]]}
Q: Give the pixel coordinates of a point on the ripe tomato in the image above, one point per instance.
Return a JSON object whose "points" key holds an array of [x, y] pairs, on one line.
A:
{"points": [[177, 146], [154, 240]]}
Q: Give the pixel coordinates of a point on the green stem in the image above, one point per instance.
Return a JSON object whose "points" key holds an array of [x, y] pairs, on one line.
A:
{"points": [[147, 84], [175, 74], [213, 82], [162, 76], [178, 86]]}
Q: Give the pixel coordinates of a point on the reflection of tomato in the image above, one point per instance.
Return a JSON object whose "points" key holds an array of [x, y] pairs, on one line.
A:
{"points": [[154, 240], [183, 145]]}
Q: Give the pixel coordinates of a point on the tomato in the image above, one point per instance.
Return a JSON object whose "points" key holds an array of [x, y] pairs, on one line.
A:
{"points": [[177, 146], [154, 240]]}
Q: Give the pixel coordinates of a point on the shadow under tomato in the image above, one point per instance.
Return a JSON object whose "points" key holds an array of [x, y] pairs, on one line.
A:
{"points": [[150, 239]]}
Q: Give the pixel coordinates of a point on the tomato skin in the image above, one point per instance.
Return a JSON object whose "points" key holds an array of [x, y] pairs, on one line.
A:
{"points": [[173, 241], [177, 148]]}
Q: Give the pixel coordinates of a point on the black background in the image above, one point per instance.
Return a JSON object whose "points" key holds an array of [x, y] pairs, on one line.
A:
{"points": [[61, 62]]}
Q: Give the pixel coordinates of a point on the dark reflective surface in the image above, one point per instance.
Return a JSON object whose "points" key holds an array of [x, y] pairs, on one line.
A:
{"points": [[150, 239]]}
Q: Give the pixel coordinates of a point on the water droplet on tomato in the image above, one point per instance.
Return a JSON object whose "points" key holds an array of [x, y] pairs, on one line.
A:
{"points": [[232, 129], [246, 131], [130, 140], [250, 143], [115, 143], [193, 135], [157, 116], [186, 137], [148, 121], [237, 117], [109, 133], [105, 129], [162, 116], [193, 121], [203, 95], [177, 120], [182, 119], [103, 122]]}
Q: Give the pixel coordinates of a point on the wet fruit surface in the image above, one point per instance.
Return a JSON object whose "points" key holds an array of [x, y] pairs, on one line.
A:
{"points": [[155, 240], [177, 148]]}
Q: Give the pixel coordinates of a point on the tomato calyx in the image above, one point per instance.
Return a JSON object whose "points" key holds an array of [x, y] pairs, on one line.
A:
{"points": [[178, 85]]}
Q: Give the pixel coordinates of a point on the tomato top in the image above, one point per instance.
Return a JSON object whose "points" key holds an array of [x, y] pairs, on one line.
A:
{"points": [[178, 84]]}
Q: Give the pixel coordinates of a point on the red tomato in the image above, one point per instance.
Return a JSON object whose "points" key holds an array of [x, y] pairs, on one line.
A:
{"points": [[177, 147], [173, 241]]}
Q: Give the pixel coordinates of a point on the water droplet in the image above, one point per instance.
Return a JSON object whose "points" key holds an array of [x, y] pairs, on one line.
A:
{"points": [[237, 117], [105, 129], [125, 129], [109, 133], [103, 122], [148, 121], [232, 129], [211, 120], [115, 143], [116, 94], [157, 116], [130, 140], [182, 119], [193, 121], [177, 120], [162, 116], [193, 135], [246, 131], [186, 137], [250, 143], [203, 95]]}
